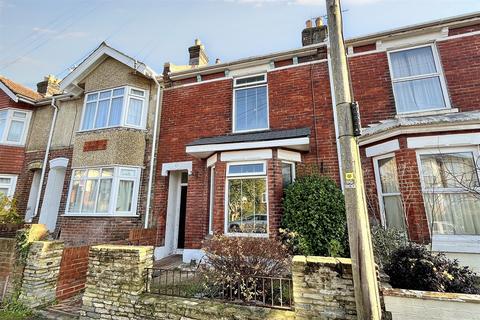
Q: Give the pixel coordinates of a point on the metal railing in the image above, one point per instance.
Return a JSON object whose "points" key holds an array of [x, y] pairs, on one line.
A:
{"points": [[272, 292]]}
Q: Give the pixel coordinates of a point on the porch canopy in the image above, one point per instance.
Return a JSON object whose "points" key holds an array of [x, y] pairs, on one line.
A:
{"points": [[296, 139]]}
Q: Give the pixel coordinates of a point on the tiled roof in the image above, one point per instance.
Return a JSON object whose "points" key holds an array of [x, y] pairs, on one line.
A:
{"points": [[256, 136], [19, 89]]}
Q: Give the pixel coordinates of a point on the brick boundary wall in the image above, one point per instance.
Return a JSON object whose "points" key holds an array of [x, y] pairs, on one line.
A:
{"points": [[7, 261], [143, 237], [73, 272]]}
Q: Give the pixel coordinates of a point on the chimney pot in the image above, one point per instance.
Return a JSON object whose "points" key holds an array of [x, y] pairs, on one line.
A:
{"points": [[49, 86], [198, 56], [312, 35], [308, 24], [217, 61], [318, 22]]}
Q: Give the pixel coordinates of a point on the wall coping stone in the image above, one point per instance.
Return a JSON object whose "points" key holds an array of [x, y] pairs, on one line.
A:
{"points": [[321, 260], [432, 295]]}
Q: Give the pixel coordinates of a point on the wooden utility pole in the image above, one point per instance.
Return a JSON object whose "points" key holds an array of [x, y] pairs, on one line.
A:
{"points": [[363, 265]]}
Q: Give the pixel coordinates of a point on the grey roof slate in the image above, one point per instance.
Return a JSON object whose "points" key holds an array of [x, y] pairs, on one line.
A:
{"points": [[253, 136], [454, 117]]}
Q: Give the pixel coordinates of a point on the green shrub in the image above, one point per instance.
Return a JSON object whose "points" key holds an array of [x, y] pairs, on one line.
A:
{"points": [[385, 242], [8, 210], [414, 267], [314, 213]]}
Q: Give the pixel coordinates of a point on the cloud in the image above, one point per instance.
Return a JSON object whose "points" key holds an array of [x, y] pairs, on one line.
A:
{"points": [[43, 30], [56, 35]]}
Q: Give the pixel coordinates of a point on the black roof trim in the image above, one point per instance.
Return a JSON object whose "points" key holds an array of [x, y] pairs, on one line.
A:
{"points": [[252, 137]]}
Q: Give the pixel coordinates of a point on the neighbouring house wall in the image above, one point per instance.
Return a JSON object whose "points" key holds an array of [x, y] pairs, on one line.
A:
{"points": [[73, 272], [424, 305], [40, 275]]}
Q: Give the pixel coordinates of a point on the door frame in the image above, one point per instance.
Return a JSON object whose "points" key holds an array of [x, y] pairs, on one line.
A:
{"points": [[172, 224]]}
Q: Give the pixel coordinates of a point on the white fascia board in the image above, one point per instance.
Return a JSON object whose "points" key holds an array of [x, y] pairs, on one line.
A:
{"points": [[246, 155], [382, 148], [176, 166], [289, 155], [203, 151], [448, 140], [91, 61], [8, 92], [212, 160]]}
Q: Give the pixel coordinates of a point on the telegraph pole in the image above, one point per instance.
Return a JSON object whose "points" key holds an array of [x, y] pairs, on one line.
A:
{"points": [[363, 265]]}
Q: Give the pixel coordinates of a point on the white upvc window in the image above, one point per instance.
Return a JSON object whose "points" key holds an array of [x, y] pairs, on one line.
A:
{"points": [[450, 185], [123, 106], [417, 79], [7, 184], [246, 199], [250, 103], [388, 190], [288, 172], [104, 191], [14, 126]]}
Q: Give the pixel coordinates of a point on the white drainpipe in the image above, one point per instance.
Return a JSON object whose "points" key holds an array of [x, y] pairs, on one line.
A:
{"points": [[45, 158], [154, 150]]}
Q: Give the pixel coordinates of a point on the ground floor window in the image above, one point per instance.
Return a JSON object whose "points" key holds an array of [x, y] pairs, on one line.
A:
{"points": [[288, 173], [104, 191], [7, 184], [390, 199], [247, 200], [451, 190]]}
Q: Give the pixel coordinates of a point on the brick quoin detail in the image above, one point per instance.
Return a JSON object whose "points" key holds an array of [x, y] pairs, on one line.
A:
{"points": [[95, 145]]}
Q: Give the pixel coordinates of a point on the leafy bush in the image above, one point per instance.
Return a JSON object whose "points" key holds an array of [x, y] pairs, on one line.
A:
{"points": [[8, 210], [414, 267], [314, 219], [385, 242]]}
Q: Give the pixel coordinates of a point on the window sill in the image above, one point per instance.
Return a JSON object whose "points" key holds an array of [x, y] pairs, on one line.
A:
{"points": [[456, 243], [249, 130], [12, 144], [110, 128], [253, 235], [90, 215], [426, 113]]}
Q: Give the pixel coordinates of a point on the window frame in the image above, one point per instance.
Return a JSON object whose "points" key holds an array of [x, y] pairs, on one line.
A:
{"points": [[267, 202], [211, 199], [449, 243], [116, 177], [11, 186], [380, 193], [439, 74], [292, 166], [9, 119], [255, 84], [127, 95]]}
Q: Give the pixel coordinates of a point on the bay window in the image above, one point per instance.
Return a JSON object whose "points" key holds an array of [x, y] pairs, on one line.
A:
{"points": [[104, 191], [247, 199], [124, 106], [390, 200], [418, 83], [250, 110], [450, 186], [14, 126]]}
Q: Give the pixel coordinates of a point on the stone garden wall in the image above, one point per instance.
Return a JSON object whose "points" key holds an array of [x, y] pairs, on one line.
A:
{"points": [[40, 275]]}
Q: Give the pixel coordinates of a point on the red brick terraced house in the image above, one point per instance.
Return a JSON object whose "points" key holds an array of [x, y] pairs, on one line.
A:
{"points": [[232, 135], [17, 104]]}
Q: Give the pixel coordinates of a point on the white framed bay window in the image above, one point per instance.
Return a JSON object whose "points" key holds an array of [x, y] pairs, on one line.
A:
{"points": [[14, 126], [250, 103], [417, 79], [246, 199], [123, 106], [7, 184], [450, 186], [104, 191]]}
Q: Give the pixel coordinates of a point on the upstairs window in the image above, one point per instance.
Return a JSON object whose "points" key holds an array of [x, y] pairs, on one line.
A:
{"points": [[13, 126], [418, 84], [250, 110], [104, 191], [123, 106]]}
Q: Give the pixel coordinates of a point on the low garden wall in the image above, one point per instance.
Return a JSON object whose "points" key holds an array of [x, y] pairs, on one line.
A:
{"points": [[7, 261], [73, 272], [412, 304]]}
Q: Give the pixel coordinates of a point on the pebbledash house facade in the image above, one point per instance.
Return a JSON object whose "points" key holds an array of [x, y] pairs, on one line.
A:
{"points": [[226, 139]]}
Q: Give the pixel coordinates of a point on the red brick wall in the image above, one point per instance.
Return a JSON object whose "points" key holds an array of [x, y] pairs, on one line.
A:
{"points": [[460, 30], [7, 102], [11, 159], [73, 272]]}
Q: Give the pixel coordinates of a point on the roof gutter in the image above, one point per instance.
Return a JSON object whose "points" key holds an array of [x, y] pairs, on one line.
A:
{"points": [[158, 104], [45, 158]]}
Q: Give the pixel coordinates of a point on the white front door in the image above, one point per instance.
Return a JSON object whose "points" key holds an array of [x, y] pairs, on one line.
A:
{"points": [[53, 193], [32, 198], [176, 210]]}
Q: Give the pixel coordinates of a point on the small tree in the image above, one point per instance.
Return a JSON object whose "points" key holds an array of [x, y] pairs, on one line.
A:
{"points": [[8, 210], [314, 214]]}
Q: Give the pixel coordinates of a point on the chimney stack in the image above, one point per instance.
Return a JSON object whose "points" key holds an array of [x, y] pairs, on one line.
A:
{"points": [[49, 86], [314, 34], [198, 56]]}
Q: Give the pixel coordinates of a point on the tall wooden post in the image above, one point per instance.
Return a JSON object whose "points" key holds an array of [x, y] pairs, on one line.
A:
{"points": [[363, 265]]}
